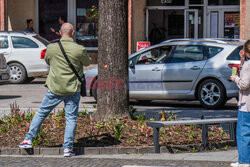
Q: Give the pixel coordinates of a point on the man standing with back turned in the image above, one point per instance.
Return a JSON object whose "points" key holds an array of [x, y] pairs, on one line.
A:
{"points": [[62, 85]]}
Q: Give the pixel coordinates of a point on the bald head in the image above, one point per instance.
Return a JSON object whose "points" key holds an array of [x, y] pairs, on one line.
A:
{"points": [[67, 30]]}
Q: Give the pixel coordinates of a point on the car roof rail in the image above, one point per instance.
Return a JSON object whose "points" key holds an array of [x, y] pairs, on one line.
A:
{"points": [[17, 32], [215, 40]]}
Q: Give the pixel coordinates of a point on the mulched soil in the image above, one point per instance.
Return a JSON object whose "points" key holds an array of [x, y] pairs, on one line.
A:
{"points": [[92, 133]]}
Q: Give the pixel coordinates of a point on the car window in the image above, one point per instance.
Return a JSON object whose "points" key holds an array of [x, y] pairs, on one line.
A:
{"points": [[22, 42], [235, 54], [187, 53], [41, 39], [212, 51], [153, 56], [4, 42]]}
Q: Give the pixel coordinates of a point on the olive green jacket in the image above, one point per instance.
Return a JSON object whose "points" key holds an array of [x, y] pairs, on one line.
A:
{"points": [[61, 79]]}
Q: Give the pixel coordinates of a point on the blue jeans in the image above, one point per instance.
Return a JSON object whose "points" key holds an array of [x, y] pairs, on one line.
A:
{"points": [[243, 137], [49, 102]]}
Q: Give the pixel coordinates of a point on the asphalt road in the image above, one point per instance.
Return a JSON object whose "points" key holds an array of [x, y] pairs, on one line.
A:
{"points": [[29, 96]]}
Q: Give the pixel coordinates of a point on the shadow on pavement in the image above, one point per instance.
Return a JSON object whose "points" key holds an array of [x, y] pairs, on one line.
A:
{"points": [[9, 97]]}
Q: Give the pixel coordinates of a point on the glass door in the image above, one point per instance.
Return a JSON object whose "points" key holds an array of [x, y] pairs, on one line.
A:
{"points": [[191, 23], [223, 22]]}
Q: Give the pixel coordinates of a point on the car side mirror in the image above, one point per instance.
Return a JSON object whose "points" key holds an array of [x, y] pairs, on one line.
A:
{"points": [[131, 64]]}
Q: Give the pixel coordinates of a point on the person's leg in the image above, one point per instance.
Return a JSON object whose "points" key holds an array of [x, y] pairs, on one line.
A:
{"points": [[71, 113], [243, 137], [50, 101]]}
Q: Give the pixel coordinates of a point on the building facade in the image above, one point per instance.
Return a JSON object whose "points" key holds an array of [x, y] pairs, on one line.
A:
{"points": [[149, 20]]}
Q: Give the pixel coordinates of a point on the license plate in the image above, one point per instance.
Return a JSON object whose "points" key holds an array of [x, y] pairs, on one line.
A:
{"points": [[5, 77]]}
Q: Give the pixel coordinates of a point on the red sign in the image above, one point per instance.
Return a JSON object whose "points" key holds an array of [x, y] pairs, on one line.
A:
{"points": [[142, 44]]}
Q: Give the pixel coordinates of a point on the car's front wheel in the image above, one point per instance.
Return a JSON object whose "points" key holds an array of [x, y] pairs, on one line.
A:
{"points": [[17, 73], [212, 94]]}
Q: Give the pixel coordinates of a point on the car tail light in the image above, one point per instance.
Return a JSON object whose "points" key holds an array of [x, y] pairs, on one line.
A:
{"points": [[235, 65], [43, 53]]}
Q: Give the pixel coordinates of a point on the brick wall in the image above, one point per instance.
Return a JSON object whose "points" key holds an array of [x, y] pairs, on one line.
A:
{"points": [[2, 15], [244, 19]]}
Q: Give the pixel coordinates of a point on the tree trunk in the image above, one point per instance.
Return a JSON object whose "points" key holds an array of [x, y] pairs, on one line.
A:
{"points": [[113, 97]]}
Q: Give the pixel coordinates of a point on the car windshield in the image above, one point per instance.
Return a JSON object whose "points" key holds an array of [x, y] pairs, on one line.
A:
{"points": [[41, 39]]}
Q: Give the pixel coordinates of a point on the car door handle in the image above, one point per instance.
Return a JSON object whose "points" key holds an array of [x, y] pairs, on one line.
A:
{"points": [[156, 69], [195, 68]]}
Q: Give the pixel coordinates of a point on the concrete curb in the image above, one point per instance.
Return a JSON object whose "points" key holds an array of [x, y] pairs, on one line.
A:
{"points": [[112, 150]]}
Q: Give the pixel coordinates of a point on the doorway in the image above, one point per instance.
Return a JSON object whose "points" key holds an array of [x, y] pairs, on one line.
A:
{"points": [[223, 22]]}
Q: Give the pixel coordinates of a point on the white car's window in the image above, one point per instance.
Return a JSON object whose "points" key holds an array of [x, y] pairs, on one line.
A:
{"points": [[22, 42], [4, 42], [187, 53]]}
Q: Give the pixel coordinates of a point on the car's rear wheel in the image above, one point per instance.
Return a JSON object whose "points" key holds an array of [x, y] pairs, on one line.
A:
{"points": [[212, 94], [17, 73]]}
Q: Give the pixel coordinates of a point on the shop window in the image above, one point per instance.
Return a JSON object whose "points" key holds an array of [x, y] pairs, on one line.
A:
{"points": [[165, 24], [87, 23], [49, 13], [165, 2], [232, 25], [223, 2]]}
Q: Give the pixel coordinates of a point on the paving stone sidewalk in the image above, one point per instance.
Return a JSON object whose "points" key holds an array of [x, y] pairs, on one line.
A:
{"points": [[203, 159], [89, 162]]}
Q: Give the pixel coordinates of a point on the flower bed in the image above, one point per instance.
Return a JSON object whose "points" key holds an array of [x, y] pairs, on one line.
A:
{"points": [[91, 133]]}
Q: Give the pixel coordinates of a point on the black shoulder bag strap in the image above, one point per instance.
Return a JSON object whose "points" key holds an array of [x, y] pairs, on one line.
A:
{"points": [[69, 63], [82, 80]]}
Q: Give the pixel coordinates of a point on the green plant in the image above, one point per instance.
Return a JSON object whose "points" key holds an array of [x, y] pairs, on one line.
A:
{"points": [[3, 129], [118, 128], [194, 149], [86, 113], [39, 139], [132, 111], [28, 116], [141, 119], [94, 106], [167, 115], [62, 113], [192, 135]]}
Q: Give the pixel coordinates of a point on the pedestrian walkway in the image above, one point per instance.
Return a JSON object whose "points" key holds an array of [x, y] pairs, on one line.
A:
{"points": [[204, 159]]}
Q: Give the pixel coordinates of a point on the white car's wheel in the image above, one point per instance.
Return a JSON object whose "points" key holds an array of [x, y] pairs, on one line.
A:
{"points": [[17, 73]]}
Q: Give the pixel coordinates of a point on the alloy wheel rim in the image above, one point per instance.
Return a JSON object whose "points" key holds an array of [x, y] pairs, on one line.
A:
{"points": [[210, 94], [15, 73]]}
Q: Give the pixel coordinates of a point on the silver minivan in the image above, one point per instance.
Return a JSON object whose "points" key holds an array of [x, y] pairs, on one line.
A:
{"points": [[182, 69]]}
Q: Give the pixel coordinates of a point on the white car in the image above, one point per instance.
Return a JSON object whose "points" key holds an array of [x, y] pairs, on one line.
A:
{"points": [[24, 53]]}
